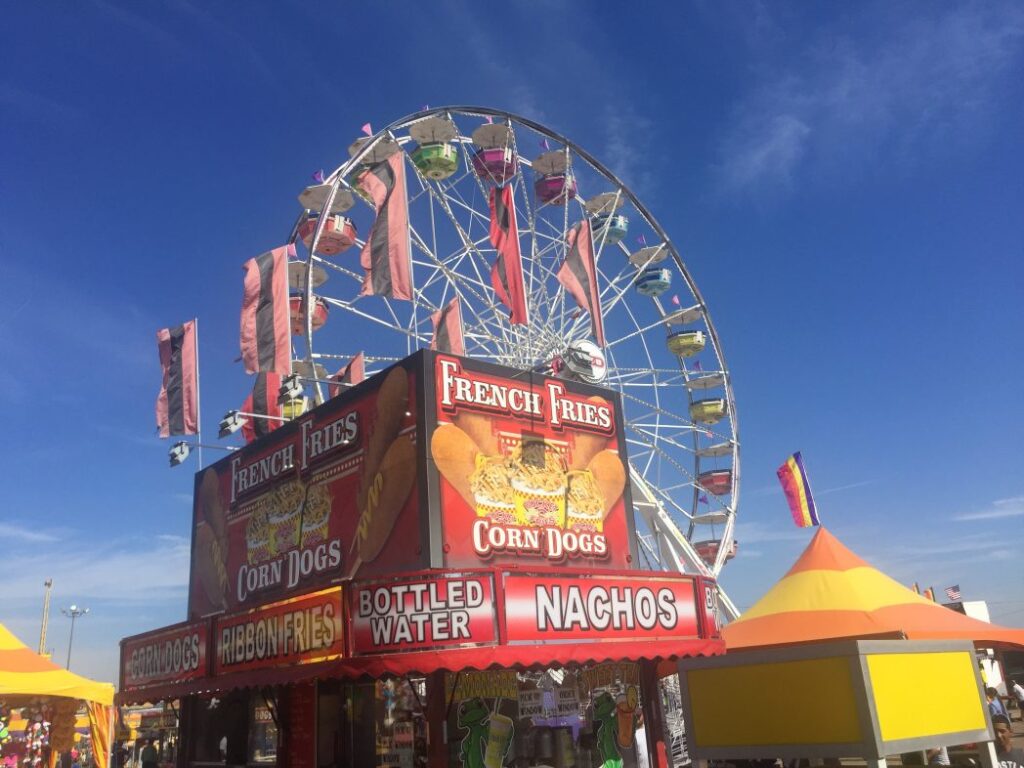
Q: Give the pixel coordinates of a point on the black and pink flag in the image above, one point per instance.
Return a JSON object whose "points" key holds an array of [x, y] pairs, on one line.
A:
{"points": [[578, 275], [266, 328], [177, 405], [386, 256], [348, 376], [262, 402], [448, 329], [507, 271]]}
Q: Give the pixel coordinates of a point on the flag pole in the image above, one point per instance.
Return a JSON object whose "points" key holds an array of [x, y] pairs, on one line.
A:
{"points": [[199, 411]]}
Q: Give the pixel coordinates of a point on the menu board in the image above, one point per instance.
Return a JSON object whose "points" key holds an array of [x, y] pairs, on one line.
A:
{"points": [[526, 468]]}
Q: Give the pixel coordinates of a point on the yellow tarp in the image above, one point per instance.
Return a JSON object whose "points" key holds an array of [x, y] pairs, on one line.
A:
{"points": [[23, 672]]}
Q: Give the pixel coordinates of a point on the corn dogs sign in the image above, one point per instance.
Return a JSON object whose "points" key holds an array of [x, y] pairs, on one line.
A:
{"points": [[322, 498], [169, 656], [528, 467]]}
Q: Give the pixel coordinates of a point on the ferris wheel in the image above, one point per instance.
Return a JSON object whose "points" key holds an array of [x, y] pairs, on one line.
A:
{"points": [[660, 351]]}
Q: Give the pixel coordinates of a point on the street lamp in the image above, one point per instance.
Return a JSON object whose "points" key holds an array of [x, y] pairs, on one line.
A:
{"points": [[74, 612]]}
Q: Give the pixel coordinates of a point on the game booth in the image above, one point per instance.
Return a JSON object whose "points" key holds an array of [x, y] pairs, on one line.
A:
{"points": [[436, 567]]}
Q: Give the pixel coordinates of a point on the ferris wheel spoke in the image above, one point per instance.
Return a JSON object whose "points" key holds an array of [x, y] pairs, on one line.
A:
{"points": [[472, 252], [658, 435], [669, 501], [394, 325]]}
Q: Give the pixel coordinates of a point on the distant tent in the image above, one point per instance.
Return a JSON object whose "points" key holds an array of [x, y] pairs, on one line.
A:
{"points": [[830, 593], [23, 672], [25, 675]]}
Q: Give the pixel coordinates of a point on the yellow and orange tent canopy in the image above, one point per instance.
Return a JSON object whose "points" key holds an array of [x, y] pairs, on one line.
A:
{"points": [[24, 673], [830, 593]]}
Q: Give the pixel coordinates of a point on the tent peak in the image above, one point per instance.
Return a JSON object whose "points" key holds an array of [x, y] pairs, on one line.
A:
{"points": [[826, 553]]}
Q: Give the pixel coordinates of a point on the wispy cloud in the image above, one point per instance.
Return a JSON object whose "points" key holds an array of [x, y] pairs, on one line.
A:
{"points": [[125, 570], [847, 487], [12, 532], [627, 138], [929, 81], [999, 509]]}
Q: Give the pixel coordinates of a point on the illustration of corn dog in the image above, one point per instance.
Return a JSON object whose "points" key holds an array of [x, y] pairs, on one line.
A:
{"points": [[212, 541], [210, 559], [609, 476], [455, 454], [587, 446], [385, 497], [478, 427], [210, 508], [392, 402]]}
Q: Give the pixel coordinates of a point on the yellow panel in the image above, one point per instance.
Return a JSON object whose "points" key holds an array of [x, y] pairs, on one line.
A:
{"points": [[925, 694], [793, 702]]}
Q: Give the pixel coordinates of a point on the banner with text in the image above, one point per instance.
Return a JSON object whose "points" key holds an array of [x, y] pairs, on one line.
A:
{"points": [[418, 614], [297, 631], [544, 608], [329, 495], [529, 468], [173, 655]]}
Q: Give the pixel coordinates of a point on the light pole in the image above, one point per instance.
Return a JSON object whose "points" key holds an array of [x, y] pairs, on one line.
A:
{"points": [[74, 612]]}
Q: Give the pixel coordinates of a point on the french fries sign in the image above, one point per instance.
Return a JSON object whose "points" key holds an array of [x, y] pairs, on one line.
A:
{"points": [[325, 497], [530, 467]]}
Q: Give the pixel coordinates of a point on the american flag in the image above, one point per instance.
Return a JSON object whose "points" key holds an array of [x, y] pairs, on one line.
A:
{"points": [[953, 593]]}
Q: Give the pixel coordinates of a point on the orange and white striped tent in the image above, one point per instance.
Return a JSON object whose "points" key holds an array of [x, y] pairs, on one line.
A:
{"points": [[831, 594], [24, 674]]}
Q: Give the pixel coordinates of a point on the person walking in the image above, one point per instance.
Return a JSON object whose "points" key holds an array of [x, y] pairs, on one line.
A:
{"points": [[149, 756], [995, 704]]}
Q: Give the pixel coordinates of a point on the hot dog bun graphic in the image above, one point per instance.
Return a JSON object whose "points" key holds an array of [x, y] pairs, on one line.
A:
{"points": [[386, 493], [210, 566], [392, 403]]}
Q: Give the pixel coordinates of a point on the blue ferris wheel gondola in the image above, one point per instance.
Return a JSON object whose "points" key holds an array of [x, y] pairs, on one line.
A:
{"points": [[654, 281], [611, 227]]}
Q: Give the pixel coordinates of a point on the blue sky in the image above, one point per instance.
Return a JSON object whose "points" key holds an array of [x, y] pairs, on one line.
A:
{"points": [[845, 182]]}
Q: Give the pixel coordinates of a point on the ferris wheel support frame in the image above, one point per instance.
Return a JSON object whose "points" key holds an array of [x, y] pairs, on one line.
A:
{"points": [[672, 542]]}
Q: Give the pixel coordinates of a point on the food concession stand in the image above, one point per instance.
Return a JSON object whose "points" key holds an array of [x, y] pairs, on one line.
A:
{"points": [[435, 567]]}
